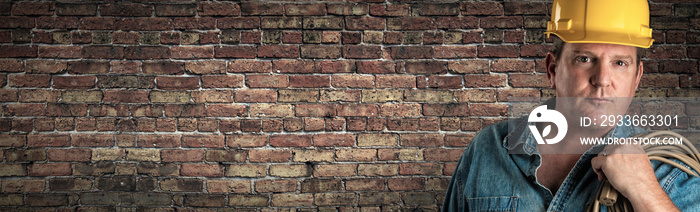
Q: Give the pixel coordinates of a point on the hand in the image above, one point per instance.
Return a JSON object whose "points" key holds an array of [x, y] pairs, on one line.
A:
{"points": [[629, 171]]}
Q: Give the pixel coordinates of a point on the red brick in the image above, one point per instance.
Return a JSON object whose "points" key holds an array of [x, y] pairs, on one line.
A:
{"points": [[352, 81], [525, 8], [63, 52], [147, 52], [66, 110], [337, 140], [25, 110], [362, 52], [50, 169], [226, 110], [410, 52], [512, 66], [665, 52], [69, 9], [103, 52], [322, 23], [206, 141], [534, 50], [406, 184], [177, 155], [8, 51], [126, 9], [185, 110], [30, 80], [528, 80], [278, 51], [218, 9], [158, 141], [455, 52], [164, 67], [444, 82], [234, 52], [305, 9], [177, 83], [506, 95], [411, 23], [364, 23], [294, 66], [395, 81], [74, 82], [92, 140], [146, 24], [290, 140], [498, 51], [269, 155], [320, 52], [124, 96], [192, 52], [48, 140], [389, 9], [249, 66], [376, 67], [265, 186], [267, 81], [255, 95], [659, 81], [57, 23], [487, 109], [246, 140], [367, 110], [202, 170], [222, 81], [88, 67], [11, 65], [78, 155], [469, 22], [434, 169], [99, 23], [501, 22], [254, 9], [426, 67], [16, 22], [195, 23], [484, 80], [364, 184], [340, 66], [176, 9], [33, 8], [315, 110]]}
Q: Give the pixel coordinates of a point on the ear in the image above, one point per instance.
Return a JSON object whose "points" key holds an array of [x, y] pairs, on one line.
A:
{"points": [[640, 71], [550, 66]]}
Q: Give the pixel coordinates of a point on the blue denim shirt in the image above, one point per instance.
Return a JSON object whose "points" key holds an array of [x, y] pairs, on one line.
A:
{"points": [[488, 177]]}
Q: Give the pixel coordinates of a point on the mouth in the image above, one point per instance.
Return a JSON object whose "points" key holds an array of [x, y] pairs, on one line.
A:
{"points": [[599, 100]]}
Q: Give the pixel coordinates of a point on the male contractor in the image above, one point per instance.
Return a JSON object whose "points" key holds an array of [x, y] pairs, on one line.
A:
{"points": [[595, 60]]}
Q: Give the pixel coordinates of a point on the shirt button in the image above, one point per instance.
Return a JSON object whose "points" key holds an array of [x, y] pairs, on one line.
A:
{"points": [[532, 178]]}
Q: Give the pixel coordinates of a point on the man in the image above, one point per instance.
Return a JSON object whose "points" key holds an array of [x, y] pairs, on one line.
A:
{"points": [[597, 60]]}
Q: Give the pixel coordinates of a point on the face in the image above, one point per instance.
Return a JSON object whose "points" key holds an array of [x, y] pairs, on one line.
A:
{"points": [[596, 72]]}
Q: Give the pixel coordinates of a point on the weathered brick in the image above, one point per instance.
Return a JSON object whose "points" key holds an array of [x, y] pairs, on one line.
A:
{"points": [[292, 199], [49, 169], [206, 170], [228, 186], [7, 170], [377, 140]]}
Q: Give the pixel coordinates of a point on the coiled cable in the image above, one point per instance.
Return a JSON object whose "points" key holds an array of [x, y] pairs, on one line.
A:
{"points": [[686, 153]]}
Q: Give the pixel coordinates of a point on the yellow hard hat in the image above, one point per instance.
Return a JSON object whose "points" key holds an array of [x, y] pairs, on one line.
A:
{"points": [[624, 22]]}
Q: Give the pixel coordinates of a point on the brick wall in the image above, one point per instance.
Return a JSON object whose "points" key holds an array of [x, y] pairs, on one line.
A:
{"points": [[199, 105]]}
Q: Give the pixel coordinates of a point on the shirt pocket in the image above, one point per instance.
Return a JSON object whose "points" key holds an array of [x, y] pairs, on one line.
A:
{"points": [[492, 204]]}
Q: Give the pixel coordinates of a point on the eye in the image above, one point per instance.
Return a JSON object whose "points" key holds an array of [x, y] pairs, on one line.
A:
{"points": [[583, 59], [621, 63]]}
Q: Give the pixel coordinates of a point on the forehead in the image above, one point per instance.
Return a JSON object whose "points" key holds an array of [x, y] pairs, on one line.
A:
{"points": [[601, 49]]}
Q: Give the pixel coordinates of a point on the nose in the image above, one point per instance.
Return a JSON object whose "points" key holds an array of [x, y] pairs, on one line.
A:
{"points": [[602, 75]]}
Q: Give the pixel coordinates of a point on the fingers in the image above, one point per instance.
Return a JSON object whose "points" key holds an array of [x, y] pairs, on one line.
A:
{"points": [[597, 165]]}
